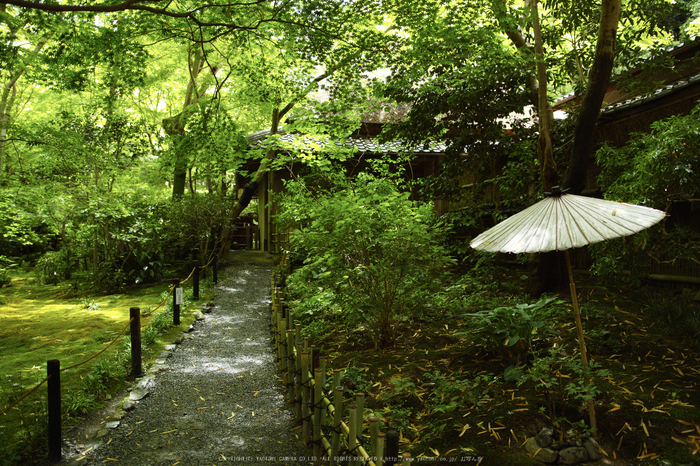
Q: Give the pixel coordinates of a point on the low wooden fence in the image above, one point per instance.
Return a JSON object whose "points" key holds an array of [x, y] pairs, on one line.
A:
{"points": [[336, 437]]}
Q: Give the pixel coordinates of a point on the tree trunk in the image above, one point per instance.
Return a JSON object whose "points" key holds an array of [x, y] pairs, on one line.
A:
{"points": [[598, 80], [545, 155], [175, 126], [7, 100]]}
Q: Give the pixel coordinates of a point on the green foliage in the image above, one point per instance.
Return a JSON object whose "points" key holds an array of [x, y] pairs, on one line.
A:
{"points": [[510, 331], [375, 250], [25, 427], [657, 169], [676, 314], [560, 379], [91, 304]]}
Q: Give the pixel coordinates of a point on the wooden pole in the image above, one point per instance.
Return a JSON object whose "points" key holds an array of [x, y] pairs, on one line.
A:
{"points": [[53, 370], [392, 448], [216, 269], [176, 302], [581, 343], [135, 331]]}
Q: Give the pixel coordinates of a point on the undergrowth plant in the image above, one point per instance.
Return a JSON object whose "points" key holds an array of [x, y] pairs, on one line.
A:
{"points": [[560, 379], [509, 331]]}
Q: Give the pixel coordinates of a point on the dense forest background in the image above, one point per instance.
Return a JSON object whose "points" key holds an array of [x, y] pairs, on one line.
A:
{"points": [[123, 125]]}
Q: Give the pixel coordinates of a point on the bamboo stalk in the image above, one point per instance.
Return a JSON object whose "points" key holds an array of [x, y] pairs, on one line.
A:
{"points": [[283, 347], [338, 408], [373, 432], [352, 436], [379, 452], [317, 414], [290, 366], [360, 402]]}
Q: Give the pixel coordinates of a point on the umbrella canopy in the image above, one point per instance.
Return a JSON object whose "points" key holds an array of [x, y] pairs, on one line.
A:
{"points": [[563, 222]]}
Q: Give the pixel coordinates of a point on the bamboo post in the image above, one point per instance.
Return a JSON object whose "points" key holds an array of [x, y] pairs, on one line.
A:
{"points": [[290, 366], [373, 432], [379, 452], [322, 382], [283, 348], [305, 396], [297, 378], [135, 331], [335, 441], [360, 402], [318, 394], [352, 436], [337, 377], [53, 370], [215, 277]]}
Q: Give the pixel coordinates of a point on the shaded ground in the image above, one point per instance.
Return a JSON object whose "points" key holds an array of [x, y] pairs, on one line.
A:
{"points": [[219, 400]]}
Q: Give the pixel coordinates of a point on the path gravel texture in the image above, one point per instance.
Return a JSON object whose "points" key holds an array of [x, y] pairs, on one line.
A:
{"points": [[219, 398]]}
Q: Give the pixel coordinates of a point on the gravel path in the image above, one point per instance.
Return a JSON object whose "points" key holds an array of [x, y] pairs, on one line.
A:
{"points": [[220, 399]]}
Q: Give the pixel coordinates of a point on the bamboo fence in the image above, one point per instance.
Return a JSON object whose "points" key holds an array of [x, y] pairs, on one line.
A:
{"points": [[336, 438]]}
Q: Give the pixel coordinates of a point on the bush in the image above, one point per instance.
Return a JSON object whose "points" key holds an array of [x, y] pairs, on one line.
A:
{"points": [[372, 248]]}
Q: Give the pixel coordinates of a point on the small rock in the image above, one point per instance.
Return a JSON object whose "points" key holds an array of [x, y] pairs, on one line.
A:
{"points": [[591, 446], [157, 368], [129, 405], [147, 383], [164, 354], [546, 455], [576, 442], [160, 361], [171, 347], [138, 394], [524, 278], [118, 415], [101, 433], [191, 328], [112, 424], [573, 455], [198, 315], [544, 438], [108, 397], [559, 445]]}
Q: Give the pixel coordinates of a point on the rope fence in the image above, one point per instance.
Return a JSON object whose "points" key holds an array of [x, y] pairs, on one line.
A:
{"points": [[54, 370]]}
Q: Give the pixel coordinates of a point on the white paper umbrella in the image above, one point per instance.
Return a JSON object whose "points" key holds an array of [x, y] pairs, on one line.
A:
{"points": [[561, 222]]}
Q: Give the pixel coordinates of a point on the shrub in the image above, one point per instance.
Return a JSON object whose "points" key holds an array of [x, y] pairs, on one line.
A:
{"points": [[371, 247]]}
